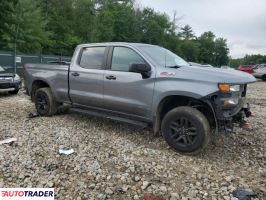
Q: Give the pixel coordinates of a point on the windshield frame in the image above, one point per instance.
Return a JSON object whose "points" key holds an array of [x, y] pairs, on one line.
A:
{"points": [[162, 56]]}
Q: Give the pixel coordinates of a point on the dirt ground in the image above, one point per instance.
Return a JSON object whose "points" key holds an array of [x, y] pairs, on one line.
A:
{"points": [[116, 161]]}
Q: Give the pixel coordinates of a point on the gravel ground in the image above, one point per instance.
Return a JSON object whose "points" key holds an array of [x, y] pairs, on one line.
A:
{"points": [[116, 161]]}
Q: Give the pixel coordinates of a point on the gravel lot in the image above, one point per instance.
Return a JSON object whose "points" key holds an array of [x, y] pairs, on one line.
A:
{"points": [[116, 161]]}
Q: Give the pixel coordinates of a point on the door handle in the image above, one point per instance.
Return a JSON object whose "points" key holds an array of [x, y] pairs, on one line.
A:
{"points": [[75, 74], [111, 77]]}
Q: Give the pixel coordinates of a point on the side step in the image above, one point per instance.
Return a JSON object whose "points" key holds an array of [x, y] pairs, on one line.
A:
{"points": [[102, 114]]}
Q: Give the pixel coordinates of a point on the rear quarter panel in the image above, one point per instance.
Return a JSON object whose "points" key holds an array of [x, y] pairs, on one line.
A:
{"points": [[56, 76]]}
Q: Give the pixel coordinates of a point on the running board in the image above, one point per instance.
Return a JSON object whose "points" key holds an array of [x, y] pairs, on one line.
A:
{"points": [[97, 113]]}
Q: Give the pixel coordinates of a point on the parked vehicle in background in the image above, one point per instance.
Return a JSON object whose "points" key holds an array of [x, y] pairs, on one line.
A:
{"points": [[9, 82], [59, 62], [260, 72], [206, 65], [194, 64], [199, 65], [226, 67], [144, 85], [246, 68]]}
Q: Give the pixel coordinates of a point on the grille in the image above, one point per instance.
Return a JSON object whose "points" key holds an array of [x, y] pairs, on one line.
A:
{"points": [[5, 85]]}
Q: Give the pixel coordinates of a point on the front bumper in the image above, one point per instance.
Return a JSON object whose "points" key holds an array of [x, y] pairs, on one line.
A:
{"points": [[231, 114], [9, 86]]}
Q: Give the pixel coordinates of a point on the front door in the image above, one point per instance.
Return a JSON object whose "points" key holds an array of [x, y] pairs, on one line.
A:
{"points": [[86, 77], [127, 92]]}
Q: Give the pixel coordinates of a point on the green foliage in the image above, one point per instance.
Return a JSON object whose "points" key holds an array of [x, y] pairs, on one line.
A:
{"points": [[189, 50], [187, 33], [57, 26], [7, 8], [26, 28], [248, 60], [221, 52]]}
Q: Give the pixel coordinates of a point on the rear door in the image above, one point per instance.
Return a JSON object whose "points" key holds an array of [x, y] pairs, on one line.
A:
{"points": [[86, 77], [127, 92]]}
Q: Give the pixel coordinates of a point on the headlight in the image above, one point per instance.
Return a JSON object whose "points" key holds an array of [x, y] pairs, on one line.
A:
{"points": [[17, 78], [228, 88], [231, 102]]}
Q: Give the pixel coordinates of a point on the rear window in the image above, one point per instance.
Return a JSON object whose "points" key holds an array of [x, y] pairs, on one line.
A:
{"points": [[92, 57]]}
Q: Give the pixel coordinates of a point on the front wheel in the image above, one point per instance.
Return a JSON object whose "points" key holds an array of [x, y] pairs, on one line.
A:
{"points": [[186, 129], [45, 103]]}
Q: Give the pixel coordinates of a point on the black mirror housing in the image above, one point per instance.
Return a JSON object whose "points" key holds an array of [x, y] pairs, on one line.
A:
{"points": [[143, 69], [139, 68]]}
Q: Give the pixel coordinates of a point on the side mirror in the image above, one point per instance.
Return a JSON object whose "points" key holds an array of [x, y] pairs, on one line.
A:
{"points": [[143, 69], [139, 68]]}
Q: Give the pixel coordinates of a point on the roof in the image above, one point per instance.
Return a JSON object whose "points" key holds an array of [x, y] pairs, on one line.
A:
{"points": [[116, 43]]}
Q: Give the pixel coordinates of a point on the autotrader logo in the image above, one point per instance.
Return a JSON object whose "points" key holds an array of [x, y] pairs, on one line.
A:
{"points": [[26, 193]]}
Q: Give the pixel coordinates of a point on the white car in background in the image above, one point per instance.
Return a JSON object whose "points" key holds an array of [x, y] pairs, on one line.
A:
{"points": [[260, 72]]}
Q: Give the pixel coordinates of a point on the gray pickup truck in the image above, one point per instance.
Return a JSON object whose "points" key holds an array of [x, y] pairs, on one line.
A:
{"points": [[145, 85]]}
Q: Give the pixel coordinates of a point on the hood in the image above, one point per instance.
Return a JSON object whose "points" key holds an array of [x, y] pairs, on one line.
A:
{"points": [[218, 75]]}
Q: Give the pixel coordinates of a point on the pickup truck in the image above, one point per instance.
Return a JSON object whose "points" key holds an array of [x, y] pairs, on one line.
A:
{"points": [[144, 85]]}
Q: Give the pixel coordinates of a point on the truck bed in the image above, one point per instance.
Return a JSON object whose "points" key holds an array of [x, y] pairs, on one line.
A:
{"points": [[53, 74]]}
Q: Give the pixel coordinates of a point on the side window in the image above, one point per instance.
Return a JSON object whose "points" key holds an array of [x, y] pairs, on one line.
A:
{"points": [[92, 57], [123, 57]]}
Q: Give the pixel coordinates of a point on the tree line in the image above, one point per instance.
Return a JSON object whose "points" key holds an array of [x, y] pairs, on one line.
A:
{"points": [[248, 60], [57, 26]]}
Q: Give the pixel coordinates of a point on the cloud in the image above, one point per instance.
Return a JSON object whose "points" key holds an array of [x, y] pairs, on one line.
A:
{"points": [[241, 22]]}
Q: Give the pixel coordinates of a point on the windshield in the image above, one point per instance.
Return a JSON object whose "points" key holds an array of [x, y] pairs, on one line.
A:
{"points": [[164, 57]]}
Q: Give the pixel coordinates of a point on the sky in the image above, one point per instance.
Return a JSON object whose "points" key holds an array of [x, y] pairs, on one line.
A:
{"points": [[241, 22]]}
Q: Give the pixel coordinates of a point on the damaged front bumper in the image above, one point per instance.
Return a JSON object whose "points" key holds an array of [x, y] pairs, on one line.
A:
{"points": [[230, 109]]}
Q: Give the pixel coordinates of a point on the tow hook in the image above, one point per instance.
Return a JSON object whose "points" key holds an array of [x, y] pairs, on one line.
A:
{"points": [[247, 111]]}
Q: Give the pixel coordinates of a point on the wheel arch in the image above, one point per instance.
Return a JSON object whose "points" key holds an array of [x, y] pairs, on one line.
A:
{"points": [[37, 84], [169, 102]]}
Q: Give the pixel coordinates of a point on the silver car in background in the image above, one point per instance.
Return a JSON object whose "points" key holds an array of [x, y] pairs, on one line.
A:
{"points": [[260, 72], [9, 82]]}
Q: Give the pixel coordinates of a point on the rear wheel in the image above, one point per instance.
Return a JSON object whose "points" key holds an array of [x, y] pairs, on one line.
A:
{"points": [[186, 129], [264, 78], [45, 103]]}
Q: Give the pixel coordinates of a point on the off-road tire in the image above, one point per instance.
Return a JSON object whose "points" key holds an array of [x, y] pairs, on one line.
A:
{"points": [[48, 99], [201, 128]]}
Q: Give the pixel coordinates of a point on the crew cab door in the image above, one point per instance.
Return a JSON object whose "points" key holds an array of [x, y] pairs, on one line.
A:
{"points": [[86, 77], [127, 92]]}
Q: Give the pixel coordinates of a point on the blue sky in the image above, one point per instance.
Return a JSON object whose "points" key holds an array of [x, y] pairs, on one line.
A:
{"points": [[241, 22]]}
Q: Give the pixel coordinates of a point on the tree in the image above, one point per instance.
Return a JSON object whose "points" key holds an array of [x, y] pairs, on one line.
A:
{"points": [[207, 48], [83, 19], [248, 60], [221, 52], [60, 16], [189, 50], [187, 33], [7, 9], [57, 26], [155, 27], [26, 30]]}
